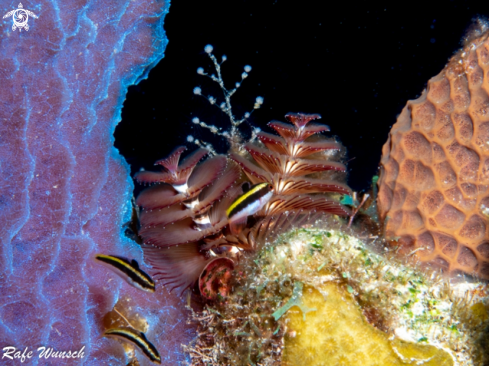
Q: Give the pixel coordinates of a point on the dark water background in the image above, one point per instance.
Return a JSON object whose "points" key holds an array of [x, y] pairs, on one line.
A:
{"points": [[355, 63]]}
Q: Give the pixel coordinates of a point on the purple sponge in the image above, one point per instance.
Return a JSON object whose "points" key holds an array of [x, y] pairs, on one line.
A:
{"points": [[64, 189]]}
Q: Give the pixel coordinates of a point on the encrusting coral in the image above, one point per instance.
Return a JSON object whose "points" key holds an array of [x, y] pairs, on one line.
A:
{"points": [[434, 181]]}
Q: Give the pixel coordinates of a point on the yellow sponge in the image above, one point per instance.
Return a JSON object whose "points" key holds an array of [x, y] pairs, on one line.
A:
{"points": [[338, 334]]}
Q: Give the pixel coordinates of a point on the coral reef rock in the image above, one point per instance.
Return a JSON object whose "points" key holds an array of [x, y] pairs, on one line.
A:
{"points": [[65, 189], [434, 181], [323, 297]]}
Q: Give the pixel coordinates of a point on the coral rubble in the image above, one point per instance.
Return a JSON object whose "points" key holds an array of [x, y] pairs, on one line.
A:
{"points": [[434, 181]]}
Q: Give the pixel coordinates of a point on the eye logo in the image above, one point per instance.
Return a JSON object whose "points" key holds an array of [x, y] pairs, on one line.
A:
{"points": [[20, 17]]}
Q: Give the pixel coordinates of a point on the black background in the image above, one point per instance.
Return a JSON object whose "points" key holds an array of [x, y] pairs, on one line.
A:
{"points": [[355, 63]]}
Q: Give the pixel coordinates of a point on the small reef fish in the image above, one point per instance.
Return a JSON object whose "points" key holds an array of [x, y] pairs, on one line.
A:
{"points": [[138, 339], [129, 270], [249, 203]]}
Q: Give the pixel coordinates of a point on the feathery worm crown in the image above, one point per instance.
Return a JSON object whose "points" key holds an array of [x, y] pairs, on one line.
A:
{"points": [[184, 225]]}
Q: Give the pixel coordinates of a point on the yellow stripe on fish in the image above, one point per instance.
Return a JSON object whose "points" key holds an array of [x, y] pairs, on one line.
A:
{"points": [[129, 270], [249, 202], [138, 339]]}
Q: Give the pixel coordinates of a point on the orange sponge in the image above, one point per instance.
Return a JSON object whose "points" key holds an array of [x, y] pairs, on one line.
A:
{"points": [[434, 182]]}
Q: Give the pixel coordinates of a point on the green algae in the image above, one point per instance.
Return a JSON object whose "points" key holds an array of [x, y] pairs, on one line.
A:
{"points": [[295, 300]]}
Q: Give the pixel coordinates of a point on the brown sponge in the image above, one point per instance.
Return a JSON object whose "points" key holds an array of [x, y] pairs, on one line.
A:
{"points": [[434, 182]]}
